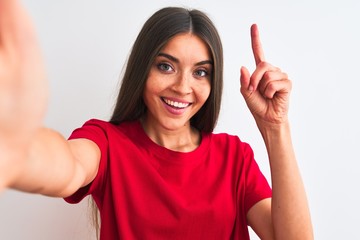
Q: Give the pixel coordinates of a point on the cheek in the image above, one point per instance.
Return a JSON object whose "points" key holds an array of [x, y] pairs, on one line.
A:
{"points": [[204, 91], [151, 86], [148, 91], [155, 82], [153, 89]]}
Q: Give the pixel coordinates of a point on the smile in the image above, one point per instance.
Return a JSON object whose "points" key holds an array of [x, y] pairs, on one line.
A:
{"points": [[175, 104]]}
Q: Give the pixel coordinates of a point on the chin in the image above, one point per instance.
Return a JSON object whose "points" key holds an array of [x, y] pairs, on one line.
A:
{"points": [[175, 124]]}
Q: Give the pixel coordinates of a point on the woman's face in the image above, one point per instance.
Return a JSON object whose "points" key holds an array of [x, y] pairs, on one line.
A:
{"points": [[178, 83]]}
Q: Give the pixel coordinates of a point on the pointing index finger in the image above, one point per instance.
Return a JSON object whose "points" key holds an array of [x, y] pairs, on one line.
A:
{"points": [[256, 45]]}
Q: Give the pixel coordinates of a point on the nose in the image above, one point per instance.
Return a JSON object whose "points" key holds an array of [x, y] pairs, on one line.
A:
{"points": [[182, 84]]}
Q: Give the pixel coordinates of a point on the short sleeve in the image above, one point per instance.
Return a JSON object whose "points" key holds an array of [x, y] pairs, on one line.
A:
{"points": [[256, 185], [94, 130]]}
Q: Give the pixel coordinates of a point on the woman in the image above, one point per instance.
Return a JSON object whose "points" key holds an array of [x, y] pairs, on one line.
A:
{"points": [[156, 170]]}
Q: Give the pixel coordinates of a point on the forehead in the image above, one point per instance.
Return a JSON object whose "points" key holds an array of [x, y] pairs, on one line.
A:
{"points": [[187, 45]]}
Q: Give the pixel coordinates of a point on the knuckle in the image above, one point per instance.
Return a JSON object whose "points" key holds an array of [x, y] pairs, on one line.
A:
{"points": [[271, 87], [290, 84], [267, 76], [263, 64]]}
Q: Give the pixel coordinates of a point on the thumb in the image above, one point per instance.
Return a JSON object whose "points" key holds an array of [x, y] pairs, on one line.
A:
{"points": [[245, 87]]}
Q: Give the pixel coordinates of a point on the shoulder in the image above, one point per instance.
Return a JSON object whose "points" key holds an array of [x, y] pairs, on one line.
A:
{"points": [[226, 139], [97, 123], [94, 124], [106, 126], [229, 145], [101, 132]]}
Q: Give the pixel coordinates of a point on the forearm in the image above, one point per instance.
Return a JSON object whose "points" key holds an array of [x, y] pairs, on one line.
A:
{"points": [[290, 211], [48, 167]]}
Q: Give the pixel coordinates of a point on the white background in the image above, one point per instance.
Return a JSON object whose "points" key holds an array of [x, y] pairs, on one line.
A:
{"points": [[86, 43]]}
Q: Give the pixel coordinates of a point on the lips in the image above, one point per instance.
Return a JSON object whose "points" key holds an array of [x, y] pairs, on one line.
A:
{"points": [[176, 104]]}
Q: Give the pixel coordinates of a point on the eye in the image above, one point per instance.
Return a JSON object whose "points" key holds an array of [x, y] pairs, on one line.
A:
{"points": [[201, 73], [164, 67]]}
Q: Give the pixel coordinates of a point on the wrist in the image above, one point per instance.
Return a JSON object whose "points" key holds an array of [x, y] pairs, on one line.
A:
{"points": [[275, 134], [275, 127]]}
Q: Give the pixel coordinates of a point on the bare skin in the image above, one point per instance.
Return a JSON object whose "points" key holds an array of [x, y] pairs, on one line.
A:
{"points": [[267, 92], [179, 76], [23, 87], [29, 152], [39, 160]]}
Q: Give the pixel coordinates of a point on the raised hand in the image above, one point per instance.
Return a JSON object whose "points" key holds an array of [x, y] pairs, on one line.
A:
{"points": [[266, 91], [23, 87]]}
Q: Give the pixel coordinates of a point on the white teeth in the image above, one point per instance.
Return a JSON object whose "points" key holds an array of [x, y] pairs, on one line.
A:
{"points": [[176, 104]]}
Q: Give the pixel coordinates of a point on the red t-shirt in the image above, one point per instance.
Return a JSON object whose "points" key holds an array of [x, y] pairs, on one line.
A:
{"points": [[145, 191]]}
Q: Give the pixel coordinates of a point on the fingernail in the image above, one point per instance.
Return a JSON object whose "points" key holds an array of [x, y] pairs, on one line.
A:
{"points": [[251, 88]]}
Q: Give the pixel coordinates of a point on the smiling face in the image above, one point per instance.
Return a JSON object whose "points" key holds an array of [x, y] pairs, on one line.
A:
{"points": [[178, 83]]}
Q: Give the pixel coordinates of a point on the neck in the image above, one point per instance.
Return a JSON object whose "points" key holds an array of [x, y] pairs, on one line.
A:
{"points": [[185, 139]]}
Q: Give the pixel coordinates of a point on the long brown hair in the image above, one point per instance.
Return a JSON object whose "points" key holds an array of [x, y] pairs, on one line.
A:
{"points": [[156, 32]]}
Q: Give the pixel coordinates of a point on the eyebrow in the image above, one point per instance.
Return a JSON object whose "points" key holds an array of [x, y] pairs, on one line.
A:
{"points": [[174, 59]]}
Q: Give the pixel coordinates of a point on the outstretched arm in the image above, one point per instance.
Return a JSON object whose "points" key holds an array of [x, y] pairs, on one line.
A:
{"points": [[33, 158], [266, 92], [53, 166]]}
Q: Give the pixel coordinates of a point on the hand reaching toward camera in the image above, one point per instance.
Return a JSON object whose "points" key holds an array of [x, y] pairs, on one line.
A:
{"points": [[23, 86], [267, 90]]}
